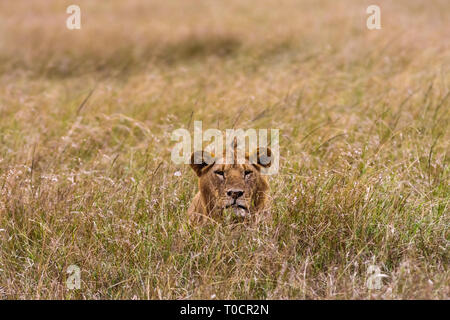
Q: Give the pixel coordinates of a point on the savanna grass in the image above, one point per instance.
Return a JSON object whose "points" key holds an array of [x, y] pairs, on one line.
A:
{"points": [[86, 177]]}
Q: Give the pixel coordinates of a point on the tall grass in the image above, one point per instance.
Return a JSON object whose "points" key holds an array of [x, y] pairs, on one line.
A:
{"points": [[85, 170]]}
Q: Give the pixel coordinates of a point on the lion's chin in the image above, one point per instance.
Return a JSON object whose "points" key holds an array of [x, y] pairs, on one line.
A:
{"points": [[240, 211]]}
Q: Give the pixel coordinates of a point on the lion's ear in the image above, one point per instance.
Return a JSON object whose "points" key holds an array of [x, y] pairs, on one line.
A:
{"points": [[262, 157], [200, 160]]}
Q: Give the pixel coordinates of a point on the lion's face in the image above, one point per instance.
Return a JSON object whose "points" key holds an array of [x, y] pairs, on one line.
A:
{"points": [[240, 188]]}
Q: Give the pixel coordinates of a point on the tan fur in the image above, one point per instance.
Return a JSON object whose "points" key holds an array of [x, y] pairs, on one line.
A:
{"points": [[213, 198]]}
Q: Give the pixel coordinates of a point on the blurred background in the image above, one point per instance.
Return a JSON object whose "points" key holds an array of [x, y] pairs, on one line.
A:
{"points": [[120, 36]]}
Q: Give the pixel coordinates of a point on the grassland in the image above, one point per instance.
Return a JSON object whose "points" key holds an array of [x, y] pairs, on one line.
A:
{"points": [[85, 170]]}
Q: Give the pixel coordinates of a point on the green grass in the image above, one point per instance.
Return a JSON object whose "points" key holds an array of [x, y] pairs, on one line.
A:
{"points": [[86, 177]]}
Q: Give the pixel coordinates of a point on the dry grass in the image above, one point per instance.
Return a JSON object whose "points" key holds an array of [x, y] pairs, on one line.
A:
{"points": [[364, 120]]}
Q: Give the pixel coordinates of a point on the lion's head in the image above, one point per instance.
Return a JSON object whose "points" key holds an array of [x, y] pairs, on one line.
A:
{"points": [[239, 187]]}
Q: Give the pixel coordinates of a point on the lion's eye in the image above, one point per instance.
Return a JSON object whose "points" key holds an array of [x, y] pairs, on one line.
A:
{"points": [[220, 173], [247, 172]]}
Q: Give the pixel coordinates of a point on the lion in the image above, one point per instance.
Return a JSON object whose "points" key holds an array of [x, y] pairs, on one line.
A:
{"points": [[237, 188]]}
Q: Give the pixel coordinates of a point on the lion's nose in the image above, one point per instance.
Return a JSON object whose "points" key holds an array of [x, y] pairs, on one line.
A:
{"points": [[235, 193]]}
